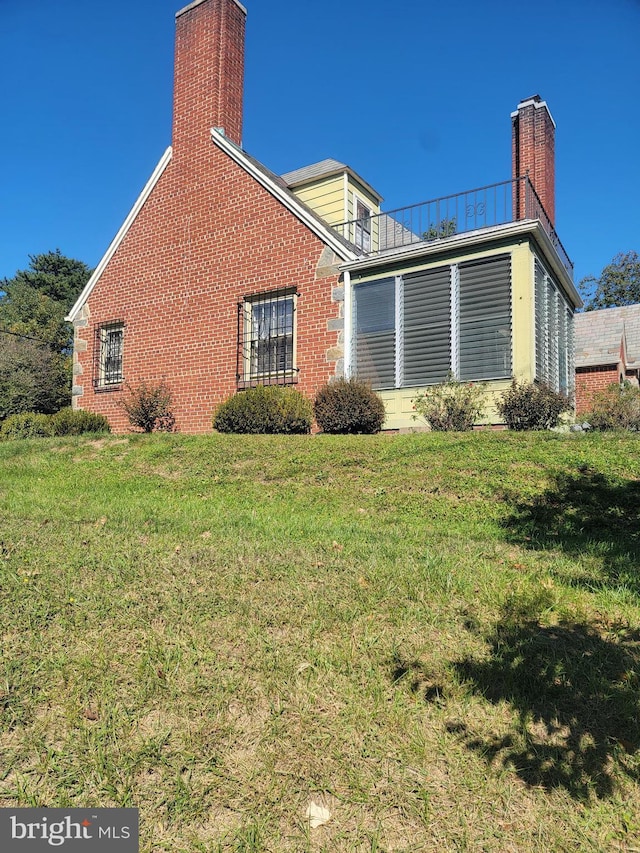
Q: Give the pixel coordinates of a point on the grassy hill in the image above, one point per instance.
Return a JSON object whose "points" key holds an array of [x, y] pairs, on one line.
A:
{"points": [[433, 637]]}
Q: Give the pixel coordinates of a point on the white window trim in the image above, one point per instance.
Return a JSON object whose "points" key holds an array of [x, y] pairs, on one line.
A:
{"points": [[454, 308], [287, 375], [105, 331], [367, 206], [399, 305]]}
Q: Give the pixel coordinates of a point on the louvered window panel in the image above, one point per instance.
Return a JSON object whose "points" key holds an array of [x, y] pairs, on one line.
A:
{"points": [[563, 375], [485, 319], [571, 366], [427, 326], [553, 330], [375, 339], [542, 366], [554, 333]]}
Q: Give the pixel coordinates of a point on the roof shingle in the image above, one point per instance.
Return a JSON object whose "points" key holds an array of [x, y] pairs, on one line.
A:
{"points": [[598, 335]]}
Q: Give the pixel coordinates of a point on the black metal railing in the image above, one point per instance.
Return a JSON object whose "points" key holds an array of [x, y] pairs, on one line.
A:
{"points": [[437, 219]]}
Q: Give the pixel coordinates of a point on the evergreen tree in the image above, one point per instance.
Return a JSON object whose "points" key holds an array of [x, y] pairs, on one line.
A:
{"points": [[35, 339]]}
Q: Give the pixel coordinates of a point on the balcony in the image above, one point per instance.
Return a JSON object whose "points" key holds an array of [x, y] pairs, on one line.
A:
{"points": [[430, 221]]}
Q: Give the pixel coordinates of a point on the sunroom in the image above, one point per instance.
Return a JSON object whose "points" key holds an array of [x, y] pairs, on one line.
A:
{"points": [[468, 291]]}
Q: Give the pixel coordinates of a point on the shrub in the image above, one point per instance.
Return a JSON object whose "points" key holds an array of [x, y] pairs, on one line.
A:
{"points": [[615, 407], [529, 405], [148, 407], [26, 425], [265, 409], [70, 421], [451, 406], [348, 406]]}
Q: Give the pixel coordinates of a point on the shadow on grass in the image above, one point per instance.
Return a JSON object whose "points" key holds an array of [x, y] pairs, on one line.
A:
{"points": [[576, 699], [585, 513], [576, 695]]}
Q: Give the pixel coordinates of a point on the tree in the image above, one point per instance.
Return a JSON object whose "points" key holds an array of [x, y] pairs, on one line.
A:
{"points": [[35, 339], [618, 284], [438, 230], [33, 377]]}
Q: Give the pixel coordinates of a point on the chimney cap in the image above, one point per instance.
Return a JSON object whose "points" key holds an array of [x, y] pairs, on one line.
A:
{"points": [[198, 2], [535, 101]]}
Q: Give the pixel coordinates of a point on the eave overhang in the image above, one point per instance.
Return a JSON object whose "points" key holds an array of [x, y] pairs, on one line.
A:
{"points": [[284, 196], [515, 231], [117, 240], [332, 173]]}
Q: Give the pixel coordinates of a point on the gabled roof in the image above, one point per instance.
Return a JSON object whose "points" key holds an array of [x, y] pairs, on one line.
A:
{"points": [[600, 336], [326, 169], [131, 217], [316, 170], [277, 187], [271, 182]]}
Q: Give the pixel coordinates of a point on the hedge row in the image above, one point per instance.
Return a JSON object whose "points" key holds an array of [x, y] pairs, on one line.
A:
{"points": [[65, 422]]}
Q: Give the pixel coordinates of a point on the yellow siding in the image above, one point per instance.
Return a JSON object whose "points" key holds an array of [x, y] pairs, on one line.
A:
{"points": [[399, 402], [399, 405], [333, 199], [522, 293], [357, 189], [325, 197]]}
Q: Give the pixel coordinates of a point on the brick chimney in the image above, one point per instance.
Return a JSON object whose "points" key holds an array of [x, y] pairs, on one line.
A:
{"points": [[533, 147], [209, 73]]}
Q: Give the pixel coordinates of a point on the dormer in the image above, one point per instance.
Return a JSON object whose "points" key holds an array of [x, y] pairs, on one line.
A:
{"points": [[338, 194]]}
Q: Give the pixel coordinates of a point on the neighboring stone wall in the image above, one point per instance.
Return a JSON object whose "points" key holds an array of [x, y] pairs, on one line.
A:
{"points": [[590, 380]]}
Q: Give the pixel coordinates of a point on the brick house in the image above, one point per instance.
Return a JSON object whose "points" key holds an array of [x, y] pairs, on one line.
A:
{"points": [[225, 275], [607, 351]]}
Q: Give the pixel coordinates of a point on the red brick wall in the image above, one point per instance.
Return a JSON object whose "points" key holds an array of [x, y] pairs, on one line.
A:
{"points": [[533, 151], [194, 251], [589, 380]]}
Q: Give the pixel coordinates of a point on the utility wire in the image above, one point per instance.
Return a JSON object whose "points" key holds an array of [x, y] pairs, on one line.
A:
{"points": [[29, 338]]}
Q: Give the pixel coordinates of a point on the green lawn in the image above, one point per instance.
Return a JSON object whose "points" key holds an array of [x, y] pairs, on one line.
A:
{"points": [[436, 637]]}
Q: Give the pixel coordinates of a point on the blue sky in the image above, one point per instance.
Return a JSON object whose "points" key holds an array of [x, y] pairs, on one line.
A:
{"points": [[416, 96]]}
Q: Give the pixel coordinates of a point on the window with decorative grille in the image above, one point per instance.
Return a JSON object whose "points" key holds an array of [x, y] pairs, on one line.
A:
{"points": [[266, 339], [109, 355]]}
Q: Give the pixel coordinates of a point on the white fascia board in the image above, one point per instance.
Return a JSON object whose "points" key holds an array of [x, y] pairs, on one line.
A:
{"points": [[470, 239], [144, 195], [326, 234], [551, 255]]}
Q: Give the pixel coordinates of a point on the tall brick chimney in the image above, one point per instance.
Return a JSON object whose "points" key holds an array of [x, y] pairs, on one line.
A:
{"points": [[533, 147], [209, 73]]}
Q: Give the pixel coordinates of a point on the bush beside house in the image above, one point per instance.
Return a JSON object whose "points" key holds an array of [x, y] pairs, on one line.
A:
{"points": [[615, 407], [265, 409], [529, 405], [451, 406], [348, 406]]}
